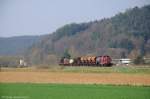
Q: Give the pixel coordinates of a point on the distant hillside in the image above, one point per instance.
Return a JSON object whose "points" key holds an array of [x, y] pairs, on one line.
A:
{"points": [[16, 45], [124, 35]]}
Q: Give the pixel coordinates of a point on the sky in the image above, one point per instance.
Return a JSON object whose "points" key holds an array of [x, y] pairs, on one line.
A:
{"points": [[38, 17]]}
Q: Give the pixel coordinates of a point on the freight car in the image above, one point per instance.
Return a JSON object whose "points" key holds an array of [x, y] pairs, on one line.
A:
{"points": [[87, 61]]}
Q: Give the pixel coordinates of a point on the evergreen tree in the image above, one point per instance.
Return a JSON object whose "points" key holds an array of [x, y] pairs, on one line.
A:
{"points": [[66, 54]]}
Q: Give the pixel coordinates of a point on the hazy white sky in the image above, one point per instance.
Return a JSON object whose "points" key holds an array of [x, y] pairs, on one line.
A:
{"points": [[37, 17]]}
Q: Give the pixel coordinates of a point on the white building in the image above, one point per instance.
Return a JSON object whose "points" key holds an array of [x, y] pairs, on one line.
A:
{"points": [[22, 63], [125, 61]]}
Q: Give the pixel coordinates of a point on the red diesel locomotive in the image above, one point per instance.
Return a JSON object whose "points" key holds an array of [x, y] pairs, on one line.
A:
{"points": [[87, 61]]}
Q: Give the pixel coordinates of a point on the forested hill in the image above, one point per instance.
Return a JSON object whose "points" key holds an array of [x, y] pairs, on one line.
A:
{"points": [[124, 35], [16, 45]]}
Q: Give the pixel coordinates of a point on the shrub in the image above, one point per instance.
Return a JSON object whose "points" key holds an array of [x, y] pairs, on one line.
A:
{"points": [[139, 60]]}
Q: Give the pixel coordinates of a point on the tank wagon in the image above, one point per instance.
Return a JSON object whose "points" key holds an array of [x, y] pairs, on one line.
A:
{"points": [[87, 61]]}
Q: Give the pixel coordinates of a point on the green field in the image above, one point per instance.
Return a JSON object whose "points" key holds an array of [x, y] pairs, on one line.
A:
{"points": [[114, 69], [85, 69], [72, 91]]}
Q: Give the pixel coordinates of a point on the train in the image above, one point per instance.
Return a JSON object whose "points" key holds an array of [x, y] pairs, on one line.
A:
{"points": [[87, 61]]}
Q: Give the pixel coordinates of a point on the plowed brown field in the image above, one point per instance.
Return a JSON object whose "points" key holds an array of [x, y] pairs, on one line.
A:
{"points": [[74, 78]]}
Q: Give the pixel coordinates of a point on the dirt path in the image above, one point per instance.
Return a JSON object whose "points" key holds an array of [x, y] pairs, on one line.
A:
{"points": [[81, 78]]}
